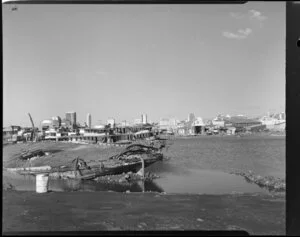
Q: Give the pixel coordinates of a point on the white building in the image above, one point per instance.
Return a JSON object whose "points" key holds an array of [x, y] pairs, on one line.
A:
{"points": [[144, 118], [168, 124], [89, 120], [218, 123], [273, 123], [198, 122]]}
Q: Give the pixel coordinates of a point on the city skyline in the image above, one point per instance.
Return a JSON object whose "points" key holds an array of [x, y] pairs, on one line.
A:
{"points": [[117, 61]]}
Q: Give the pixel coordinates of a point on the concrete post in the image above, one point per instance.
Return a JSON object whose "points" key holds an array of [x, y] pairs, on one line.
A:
{"points": [[142, 170]]}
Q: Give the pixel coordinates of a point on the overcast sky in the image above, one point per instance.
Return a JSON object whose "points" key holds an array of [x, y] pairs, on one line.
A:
{"points": [[123, 60]]}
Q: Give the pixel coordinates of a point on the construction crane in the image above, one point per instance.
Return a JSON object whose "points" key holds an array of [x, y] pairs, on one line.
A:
{"points": [[33, 136]]}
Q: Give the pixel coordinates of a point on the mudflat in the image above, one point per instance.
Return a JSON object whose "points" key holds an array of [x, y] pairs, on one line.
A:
{"points": [[96, 211]]}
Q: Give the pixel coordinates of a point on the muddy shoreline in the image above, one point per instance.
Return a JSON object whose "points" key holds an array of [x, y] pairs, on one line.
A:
{"points": [[88, 211]]}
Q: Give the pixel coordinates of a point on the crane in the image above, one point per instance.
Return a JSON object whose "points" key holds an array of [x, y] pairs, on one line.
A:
{"points": [[33, 130]]}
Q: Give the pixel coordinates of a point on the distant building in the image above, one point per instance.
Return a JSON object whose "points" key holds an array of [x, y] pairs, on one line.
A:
{"points": [[111, 121], [198, 126], [164, 124], [191, 117], [66, 123], [137, 121], [168, 124], [124, 123], [273, 123], [241, 122], [230, 130], [144, 118], [280, 116], [71, 117], [46, 124], [89, 120], [56, 122], [218, 123], [11, 130]]}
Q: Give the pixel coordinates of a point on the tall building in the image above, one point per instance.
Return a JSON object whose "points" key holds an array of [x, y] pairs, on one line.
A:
{"points": [[71, 117], [144, 118], [191, 117], [89, 120]]}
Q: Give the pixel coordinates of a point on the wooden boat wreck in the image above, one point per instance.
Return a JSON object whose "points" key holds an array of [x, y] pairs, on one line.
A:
{"points": [[131, 159]]}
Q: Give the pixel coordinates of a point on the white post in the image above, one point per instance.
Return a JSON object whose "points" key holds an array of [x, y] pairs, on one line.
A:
{"points": [[42, 182], [142, 170]]}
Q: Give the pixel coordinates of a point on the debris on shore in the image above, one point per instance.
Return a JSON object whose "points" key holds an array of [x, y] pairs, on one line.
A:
{"points": [[126, 178], [269, 182]]}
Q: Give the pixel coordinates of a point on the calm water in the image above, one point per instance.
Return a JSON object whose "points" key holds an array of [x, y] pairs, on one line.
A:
{"points": [[196, 165]]}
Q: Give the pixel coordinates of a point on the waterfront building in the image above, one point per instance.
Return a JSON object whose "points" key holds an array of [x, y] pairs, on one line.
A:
{"points": [[242, 122], [230, 130], [65, 123], [71, 117], [56, 121], [11, 130], [89, 120], [218, 123], [198, 126], [46, 124], [273, 123], [164, 124], [112, 122]]}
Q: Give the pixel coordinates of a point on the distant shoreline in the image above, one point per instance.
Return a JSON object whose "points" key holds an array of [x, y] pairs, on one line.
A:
{"points": [[225, 135]]}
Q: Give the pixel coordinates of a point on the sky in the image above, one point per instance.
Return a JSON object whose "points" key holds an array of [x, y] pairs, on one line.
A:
{"points": [[124, 60]]}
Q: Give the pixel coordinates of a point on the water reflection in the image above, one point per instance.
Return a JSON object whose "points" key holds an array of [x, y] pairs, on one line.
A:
{"points": [[188, 181], [28, 183], [206, 182]]}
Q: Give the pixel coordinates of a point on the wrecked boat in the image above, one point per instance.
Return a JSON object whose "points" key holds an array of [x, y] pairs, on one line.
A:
{"points": [[130, 160], [28, 154]]}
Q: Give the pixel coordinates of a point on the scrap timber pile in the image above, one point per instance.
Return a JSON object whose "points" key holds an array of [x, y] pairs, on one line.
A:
{"points": [[131, 160]]}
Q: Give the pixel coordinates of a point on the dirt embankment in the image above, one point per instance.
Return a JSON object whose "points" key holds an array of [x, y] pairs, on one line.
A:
{"points": [[88, 211], [59, 153]]}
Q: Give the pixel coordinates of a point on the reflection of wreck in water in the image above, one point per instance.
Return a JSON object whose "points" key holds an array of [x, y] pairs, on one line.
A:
{"points": [[92, 186]]}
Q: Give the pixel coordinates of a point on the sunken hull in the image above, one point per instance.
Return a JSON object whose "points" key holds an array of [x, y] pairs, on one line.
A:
{"points": [[114, 167], [93, 170], [128, 161]]}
